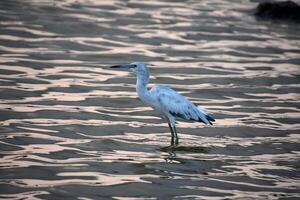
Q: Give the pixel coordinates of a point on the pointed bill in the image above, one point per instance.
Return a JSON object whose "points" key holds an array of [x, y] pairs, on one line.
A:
{"points": [[124, 66]]}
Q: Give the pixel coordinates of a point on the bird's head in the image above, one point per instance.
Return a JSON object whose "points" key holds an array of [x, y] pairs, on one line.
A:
{"points": [[137, 68]]}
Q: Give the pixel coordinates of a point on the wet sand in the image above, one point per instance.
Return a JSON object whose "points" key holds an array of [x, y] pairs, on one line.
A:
{"points": [[72, 128]]}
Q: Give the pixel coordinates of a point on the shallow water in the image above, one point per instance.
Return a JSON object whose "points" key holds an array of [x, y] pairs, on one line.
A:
{"points": [[72, 128]]}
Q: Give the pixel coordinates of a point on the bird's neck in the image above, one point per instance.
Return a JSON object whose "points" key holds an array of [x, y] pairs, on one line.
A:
{"points": [[141, 89]]}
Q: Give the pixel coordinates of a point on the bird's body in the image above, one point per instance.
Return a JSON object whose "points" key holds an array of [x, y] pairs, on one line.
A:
{"points": [[166, 101], [177, 106]]}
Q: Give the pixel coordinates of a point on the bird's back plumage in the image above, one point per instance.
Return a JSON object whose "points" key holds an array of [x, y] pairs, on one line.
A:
{"points": [[178, 106]]}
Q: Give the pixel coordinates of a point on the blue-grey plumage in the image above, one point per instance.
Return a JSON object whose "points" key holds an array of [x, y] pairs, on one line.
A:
{"points": [[170, 104]]}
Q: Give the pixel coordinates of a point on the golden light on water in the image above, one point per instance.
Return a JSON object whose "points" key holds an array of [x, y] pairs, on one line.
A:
{"points": [[71, 127]]}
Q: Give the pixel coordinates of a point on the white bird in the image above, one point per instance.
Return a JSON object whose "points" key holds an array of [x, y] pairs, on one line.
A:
{"points": [[167, 102]]}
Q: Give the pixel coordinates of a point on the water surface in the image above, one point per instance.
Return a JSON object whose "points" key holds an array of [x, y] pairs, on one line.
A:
{"points": [[72, 128]]}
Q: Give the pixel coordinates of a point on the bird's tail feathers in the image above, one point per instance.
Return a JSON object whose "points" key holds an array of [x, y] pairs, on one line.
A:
{"points": [[205, 118], [210, 118]]}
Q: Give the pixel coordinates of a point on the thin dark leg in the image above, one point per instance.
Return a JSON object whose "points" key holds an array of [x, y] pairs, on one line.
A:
{"points": [[172, 132], [175, 134]]}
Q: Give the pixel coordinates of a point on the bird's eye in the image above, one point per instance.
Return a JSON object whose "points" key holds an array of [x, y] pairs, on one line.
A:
{"points": [[135, 65]]}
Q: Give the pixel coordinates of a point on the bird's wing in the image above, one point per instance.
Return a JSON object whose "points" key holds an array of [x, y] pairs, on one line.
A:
{"points": [[178, 106]]}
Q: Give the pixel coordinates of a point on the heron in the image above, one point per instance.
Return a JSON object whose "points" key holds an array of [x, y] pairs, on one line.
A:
{"points": [[166, 101]]}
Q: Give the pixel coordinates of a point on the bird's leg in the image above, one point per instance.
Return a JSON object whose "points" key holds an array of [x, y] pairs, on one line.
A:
{"points": [[172, 141], [175, 134], [172, 132]]}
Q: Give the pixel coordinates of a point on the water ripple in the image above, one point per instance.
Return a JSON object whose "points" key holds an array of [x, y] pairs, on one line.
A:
{"points": [[70, 127]]}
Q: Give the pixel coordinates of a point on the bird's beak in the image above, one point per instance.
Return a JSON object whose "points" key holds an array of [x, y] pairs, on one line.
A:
{"points": [[124, 66]]}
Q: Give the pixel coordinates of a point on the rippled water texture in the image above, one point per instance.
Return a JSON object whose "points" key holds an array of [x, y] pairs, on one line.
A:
{"points": [[72, 128]]}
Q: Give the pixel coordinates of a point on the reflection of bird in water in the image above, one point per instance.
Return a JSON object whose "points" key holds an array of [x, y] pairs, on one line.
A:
{"points": [[166, 101]]}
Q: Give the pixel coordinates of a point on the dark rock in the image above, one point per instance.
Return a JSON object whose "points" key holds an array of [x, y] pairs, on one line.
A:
{"points": [[287, 10]]}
